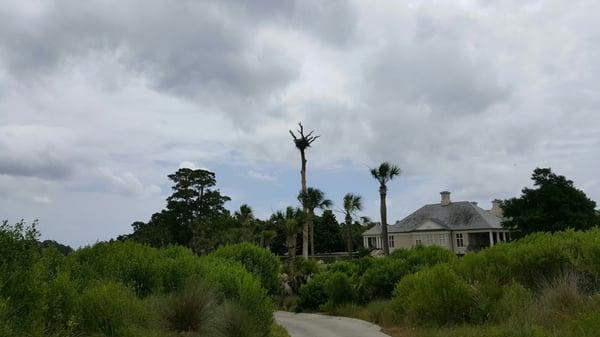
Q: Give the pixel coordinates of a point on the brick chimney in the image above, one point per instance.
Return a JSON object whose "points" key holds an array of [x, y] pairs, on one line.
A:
{"points": [[497, 208], [445, 198]]}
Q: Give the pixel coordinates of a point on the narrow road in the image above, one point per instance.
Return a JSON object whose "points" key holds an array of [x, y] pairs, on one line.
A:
{"points": [[314, 325]]}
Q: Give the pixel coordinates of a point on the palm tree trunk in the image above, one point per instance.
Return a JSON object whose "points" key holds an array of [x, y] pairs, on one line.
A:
{"points": [[383, 210], [349, 235], [305, 229], [312, 236], [291, 246]]}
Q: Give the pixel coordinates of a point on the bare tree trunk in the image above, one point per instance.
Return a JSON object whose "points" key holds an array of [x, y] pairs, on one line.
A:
{"points": [[305, 229], [384, 230], [349, 235]]}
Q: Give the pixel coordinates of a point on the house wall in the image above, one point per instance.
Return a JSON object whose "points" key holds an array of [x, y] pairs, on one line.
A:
{"points": [[446, 239], [402, 241], [437, 238]]}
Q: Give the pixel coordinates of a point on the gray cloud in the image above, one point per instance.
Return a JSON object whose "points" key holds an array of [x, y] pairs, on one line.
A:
{"points": [[99, 100]]}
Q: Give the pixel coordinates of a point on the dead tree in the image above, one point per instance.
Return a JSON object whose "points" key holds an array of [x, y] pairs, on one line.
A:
{"points": [[303, 142]]}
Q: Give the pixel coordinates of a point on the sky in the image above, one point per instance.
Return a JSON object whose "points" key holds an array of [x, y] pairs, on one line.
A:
{"points": [[101, 100]]}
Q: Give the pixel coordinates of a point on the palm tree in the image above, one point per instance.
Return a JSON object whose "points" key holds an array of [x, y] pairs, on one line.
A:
{"points": [[383, 174], [244, 216], [266, 238], [352, 204], [303, 142], [290, 223], [311, 199]]}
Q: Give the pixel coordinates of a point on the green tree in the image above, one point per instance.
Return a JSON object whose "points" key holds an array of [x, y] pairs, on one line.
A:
{"points": [[327, 229], [245, 215], [352, 204], [302, 143], [312, 199], [290, 223], [554, 205], [193, 214], [383, 174]]}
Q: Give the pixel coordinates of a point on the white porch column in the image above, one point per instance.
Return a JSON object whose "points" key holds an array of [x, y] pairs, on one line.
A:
{"points": [[503, 236], [491, 239]]}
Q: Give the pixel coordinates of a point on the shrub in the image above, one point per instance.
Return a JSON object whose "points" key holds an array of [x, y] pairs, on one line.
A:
{"points": [[338, 289], [109, 308], [5, 325], [312, 295], [348, 268], [435, 295], [491, 265], [233, 282], [237, 322], [179, 266], [60, 310], [132, 264], [558, 298], [379, 280], [191, 310], [514, 306], [305, 270], [426, 256], [258, 261]]}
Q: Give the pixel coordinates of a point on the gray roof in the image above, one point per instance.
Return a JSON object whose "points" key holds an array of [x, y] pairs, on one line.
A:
{"points": [[461, 215]]}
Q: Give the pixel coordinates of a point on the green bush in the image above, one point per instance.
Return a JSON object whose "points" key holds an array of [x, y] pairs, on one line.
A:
{"points": [[513, 306], [312, 295], [427, 256], [258, 261], [191, 310], [61, 311], [435, 295], [238, 322], [233, 282], [110, 308], [379, 280], [349, 268], [133, 264], [5, 325], [305, 270], [339, 290], [179, 265]]}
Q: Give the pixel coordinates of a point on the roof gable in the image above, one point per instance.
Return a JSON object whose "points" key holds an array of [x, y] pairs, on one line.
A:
{"points": [[431, 224]]}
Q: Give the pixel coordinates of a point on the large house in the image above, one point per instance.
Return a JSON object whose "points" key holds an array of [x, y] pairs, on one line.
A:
{"points": [[458, 226]]}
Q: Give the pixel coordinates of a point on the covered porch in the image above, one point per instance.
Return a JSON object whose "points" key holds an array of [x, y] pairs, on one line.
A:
{"points": [[484, 239]]}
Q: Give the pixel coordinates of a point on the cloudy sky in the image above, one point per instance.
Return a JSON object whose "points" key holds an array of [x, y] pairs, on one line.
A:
{"points": [[100, 100]]}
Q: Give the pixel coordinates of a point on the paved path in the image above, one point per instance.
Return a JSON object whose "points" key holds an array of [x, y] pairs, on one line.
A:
{"points": [[314, 325]]}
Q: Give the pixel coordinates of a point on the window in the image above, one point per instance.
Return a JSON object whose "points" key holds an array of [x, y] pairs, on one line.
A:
{"points": [[391, 241], [429, 239], [459, 240], [372, 242]]}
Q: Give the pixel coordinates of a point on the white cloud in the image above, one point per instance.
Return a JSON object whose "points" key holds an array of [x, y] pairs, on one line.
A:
{"points": [[261, 176]]}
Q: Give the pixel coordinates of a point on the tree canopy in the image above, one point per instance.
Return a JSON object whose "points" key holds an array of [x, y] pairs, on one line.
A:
{"points": [[553, 205], [194, 213]]}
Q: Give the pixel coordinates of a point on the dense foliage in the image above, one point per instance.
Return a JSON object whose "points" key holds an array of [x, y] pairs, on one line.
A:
{"points": [[554, 205], [195, 217], [545, 284], [128, 289], [368, 278], [260, 262]]}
